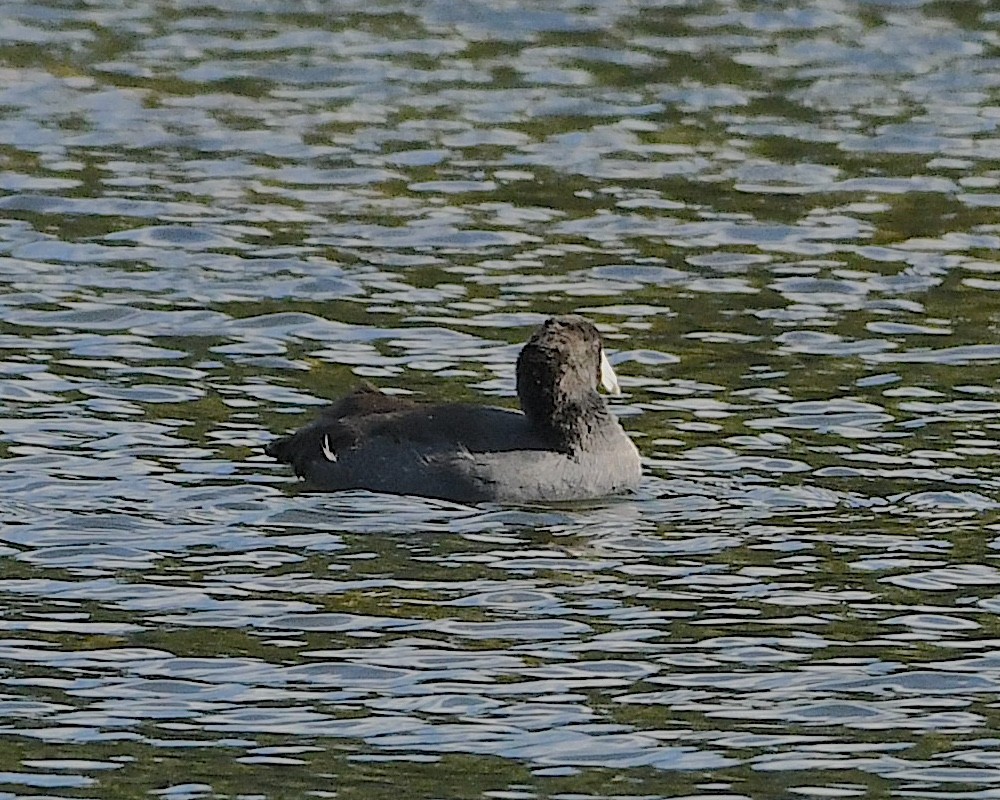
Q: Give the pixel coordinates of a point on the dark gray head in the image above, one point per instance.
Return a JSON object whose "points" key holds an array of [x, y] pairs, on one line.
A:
{"points": [[558, 373]]}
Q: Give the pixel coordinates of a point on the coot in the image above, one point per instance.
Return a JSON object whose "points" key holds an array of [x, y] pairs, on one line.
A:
{"points": [[566, 445]]}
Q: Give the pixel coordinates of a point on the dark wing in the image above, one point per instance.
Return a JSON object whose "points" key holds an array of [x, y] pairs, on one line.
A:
{"points": [[336, 427], [365, 399]]}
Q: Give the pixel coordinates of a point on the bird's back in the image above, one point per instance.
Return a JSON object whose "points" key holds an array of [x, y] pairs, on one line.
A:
{"points": [[453, 451]]}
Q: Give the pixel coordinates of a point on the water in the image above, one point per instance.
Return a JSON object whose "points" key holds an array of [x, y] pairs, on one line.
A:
{"points": [[213, 217]]}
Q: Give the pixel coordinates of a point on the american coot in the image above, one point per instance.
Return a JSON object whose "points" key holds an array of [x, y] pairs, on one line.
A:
{"points": [[566, 445]]}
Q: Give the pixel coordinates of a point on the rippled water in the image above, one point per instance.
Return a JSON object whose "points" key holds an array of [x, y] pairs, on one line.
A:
{"points": [[213, 217]]}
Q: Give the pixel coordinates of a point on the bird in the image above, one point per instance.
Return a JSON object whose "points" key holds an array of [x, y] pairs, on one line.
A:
{"points": [[564, 444]]}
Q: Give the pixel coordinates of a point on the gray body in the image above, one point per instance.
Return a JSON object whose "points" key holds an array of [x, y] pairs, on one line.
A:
{"points": [[566, 445], [462, 453]]}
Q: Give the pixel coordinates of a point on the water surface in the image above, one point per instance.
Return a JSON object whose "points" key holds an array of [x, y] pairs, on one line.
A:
{"points": [[214, 217]]}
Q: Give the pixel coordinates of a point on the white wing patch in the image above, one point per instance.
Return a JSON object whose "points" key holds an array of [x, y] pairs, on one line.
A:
{"points": [[328, 453]]}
